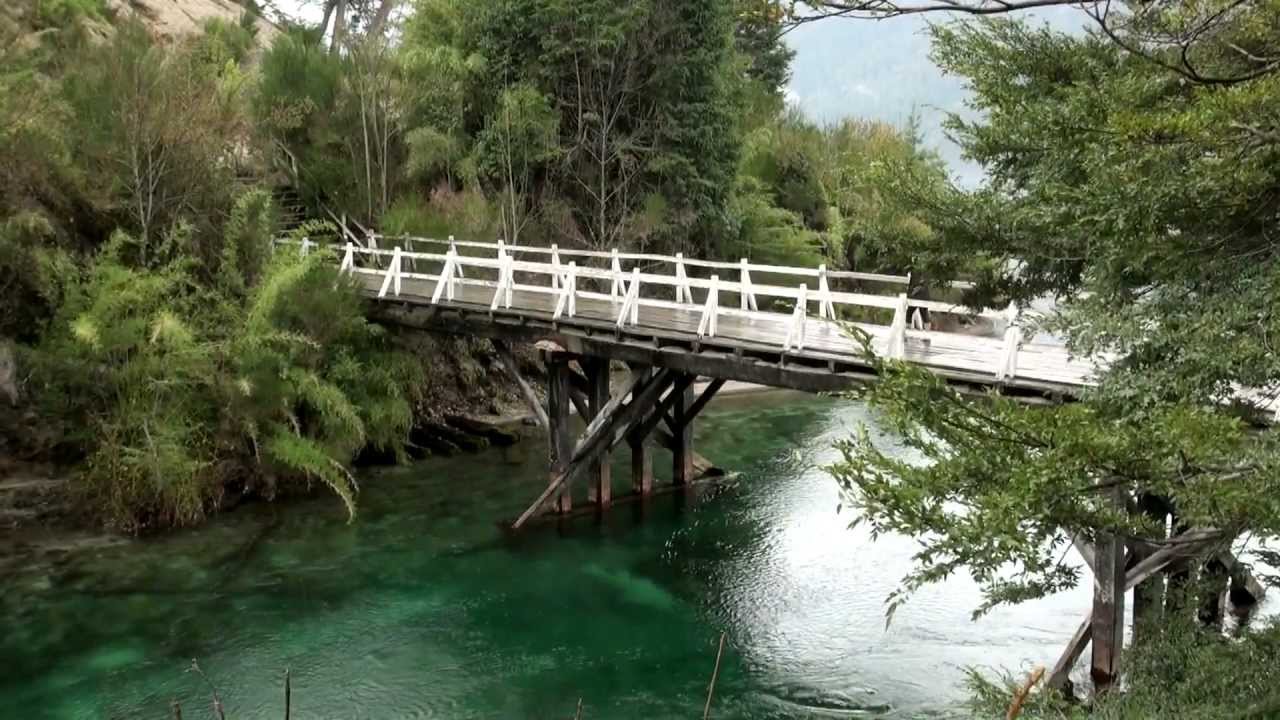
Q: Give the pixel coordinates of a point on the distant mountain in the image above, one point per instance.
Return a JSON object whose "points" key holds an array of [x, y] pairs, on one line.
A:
{"points": [[881, 70]]}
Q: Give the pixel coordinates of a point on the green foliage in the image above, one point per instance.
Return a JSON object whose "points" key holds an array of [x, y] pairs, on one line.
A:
{"points": [[157, 135], [519, 137], [1130, 176], [768, 233], [847, 187], [639, 99], [1146, 196], [758, 38], [271, 376], [295, 107], [224, 42], [1000, 489], [431, 154], [468, 213], [1179, 672], [62, 13]]}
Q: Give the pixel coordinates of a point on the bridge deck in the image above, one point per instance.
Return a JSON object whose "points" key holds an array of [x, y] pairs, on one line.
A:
{"points": [[970, 358]]}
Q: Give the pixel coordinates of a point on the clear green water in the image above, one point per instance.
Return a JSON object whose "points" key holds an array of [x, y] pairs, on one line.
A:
{"points": [[423, 609]]}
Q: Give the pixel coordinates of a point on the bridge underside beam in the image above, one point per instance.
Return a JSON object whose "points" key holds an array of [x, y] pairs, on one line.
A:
{"points": [[725, 358]]}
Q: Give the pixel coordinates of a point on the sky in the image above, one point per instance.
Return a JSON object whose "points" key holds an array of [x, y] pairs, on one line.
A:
{"points": [[880, 70]]}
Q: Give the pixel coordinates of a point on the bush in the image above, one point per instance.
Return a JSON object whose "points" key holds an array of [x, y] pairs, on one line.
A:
{"points": [[1180, 670], [61, 13], [268, 379]]}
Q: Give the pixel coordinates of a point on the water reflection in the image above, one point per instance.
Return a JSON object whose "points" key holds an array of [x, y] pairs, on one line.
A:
{"points": [[422, 608]]}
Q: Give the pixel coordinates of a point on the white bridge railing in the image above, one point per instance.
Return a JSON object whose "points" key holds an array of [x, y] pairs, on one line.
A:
{"points": [[556, 271]]}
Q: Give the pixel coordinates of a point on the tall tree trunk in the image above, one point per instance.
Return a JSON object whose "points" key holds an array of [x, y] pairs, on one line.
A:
{"points": [[339, 26], [380, 18]]}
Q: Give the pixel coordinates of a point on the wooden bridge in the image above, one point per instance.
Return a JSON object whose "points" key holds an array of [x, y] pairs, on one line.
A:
{"points": [[673, 320]]}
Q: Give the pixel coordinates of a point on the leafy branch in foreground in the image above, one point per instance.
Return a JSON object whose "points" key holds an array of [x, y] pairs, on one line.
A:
{"points": [[1001, 489]]}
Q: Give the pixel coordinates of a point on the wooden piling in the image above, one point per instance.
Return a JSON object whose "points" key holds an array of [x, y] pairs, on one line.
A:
{"points": [[641, 457], [682, 414], [560, 437], [641, 466], [599, 477], [1212, 588], [1148, 596], [1108, 604]]}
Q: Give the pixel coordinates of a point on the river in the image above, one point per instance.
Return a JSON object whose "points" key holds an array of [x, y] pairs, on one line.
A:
{"points": [[421, 608]]}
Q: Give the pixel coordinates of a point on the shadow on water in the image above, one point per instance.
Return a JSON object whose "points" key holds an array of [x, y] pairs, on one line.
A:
{"points": [[423, 608]]}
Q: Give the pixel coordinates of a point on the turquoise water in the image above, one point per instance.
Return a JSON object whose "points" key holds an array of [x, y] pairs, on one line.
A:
{"points": [[423, 608]]}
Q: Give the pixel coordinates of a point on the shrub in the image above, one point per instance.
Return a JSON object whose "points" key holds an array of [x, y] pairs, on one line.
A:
{"points": [[270, 377]]}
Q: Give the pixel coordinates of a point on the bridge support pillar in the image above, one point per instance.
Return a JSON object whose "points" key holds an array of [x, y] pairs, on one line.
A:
{"points": [[599, 477], [634, 414], [1108, 604], [682, 454], [641, 457], [560, 435]]}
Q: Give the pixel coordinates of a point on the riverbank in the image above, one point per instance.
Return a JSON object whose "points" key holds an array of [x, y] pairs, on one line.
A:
{"points": [[39, 525]]}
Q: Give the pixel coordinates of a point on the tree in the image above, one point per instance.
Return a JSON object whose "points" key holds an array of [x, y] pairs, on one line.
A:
{"points": [[518, 143], [379, 97], [155, 124], [611, 115], [1144, 197]]}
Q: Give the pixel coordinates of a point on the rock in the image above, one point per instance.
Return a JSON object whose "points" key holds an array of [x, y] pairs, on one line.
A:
{"points": [[497, 430], [460, 438]]}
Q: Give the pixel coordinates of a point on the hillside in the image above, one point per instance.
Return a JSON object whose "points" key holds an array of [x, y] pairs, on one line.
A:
{"points": [[176, 18], [165, 19]]}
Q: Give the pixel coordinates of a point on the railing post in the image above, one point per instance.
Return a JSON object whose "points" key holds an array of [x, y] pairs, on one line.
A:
{"points": [[635, 295], [348, 259], [398, 261], [804, 312], [444, 283], [555, 267], [413, 262], [573, 288], [826, 308], [897, 342], [1012, 339], [616, 268], [795, 331], [392, 276], [453, 248], [500, 287], [707, 325], [511, 280], [746, 296], [302, 249], [457, 266], [684, 293]]}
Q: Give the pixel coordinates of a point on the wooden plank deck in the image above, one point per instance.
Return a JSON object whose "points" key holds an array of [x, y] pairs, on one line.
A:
{"points": [[971, 359]]}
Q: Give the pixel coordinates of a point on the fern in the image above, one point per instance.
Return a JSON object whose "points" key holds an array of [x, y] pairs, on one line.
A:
{"points": [[339, 419], [307, 457]]}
